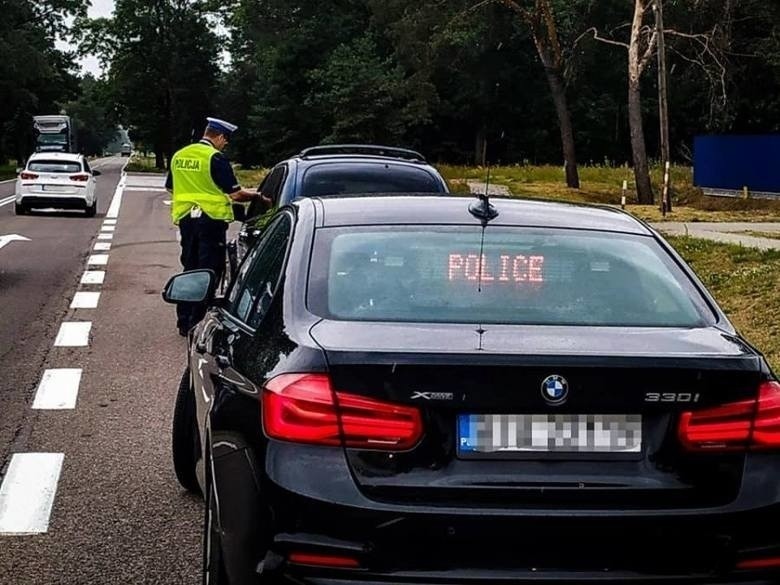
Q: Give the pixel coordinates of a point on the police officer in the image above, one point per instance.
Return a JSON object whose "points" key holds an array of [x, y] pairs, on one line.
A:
{"points": [[204, 188]]}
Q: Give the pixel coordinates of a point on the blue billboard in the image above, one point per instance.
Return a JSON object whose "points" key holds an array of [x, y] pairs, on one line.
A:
{"points": [[737, 161]]}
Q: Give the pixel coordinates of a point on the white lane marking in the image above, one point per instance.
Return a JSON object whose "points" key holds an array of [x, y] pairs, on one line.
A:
{"points": [[97, 260], [7, 200], [27, 493], [116, 202], [58, 389], [85, 300], [93, 277], [136, 188], [12, 238], [109, 222], [102, 246], [108, 228], [105, 236], [167, 202], [7, 181], [73, 334]]}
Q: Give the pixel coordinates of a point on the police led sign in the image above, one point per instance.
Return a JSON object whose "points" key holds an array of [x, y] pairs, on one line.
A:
{"points": [[503, 268]]}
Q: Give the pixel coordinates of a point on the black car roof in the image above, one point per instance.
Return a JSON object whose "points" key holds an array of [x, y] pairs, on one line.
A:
{"points": [[427, 209]]}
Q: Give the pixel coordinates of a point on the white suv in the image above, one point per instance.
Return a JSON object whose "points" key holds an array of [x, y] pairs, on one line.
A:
{"points": [[56, 180]]}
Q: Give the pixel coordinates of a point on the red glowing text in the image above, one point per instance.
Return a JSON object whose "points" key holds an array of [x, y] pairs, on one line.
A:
{"points": [[503, 268]]}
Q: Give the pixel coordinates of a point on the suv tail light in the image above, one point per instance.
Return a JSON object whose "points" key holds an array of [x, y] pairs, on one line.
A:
{"points": [[753, 424], [24, 175], [83, 177], [304, 408]]}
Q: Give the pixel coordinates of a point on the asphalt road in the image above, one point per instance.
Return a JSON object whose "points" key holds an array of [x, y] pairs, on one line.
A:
{"points": [[91, 456]]}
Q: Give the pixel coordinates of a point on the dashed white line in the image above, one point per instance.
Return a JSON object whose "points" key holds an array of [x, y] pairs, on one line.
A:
{"points": [[85, 300], [108, 228], [73, 334], [93, 277], [97, 260], [27, 493], [105, 236], [109, 222], [7, 200], [102, 246], [58, 390]]}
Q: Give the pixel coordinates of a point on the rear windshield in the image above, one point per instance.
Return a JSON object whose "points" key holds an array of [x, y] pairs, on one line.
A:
{"points": [[332, 179], [522, 276], [54, 166]]}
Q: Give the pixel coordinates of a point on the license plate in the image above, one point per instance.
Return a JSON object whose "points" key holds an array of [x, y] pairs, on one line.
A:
{"points": [[549, 433], [55, 188]]}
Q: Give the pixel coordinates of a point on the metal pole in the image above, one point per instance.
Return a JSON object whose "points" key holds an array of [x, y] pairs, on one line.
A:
{"points": [[663, 107]]}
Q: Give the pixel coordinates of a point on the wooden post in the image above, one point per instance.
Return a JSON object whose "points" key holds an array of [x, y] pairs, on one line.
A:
{"points": [[663, 106]]}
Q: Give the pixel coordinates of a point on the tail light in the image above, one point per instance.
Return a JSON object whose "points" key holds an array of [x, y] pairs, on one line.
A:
{"points": [[753, 424], [27, 176], [304, 408], [80, 177], [322, 560]]}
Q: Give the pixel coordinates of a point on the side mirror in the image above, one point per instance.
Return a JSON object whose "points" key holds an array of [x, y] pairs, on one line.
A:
{"points": [[96, 173], [193, 286]]}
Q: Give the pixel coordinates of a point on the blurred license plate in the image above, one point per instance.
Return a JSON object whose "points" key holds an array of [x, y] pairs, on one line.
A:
{"points": [[55, 188], [549, 433]]}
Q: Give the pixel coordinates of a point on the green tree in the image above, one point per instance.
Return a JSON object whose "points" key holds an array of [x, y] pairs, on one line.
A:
{"points": [[161, 57], [95, 122], [35, 77]]}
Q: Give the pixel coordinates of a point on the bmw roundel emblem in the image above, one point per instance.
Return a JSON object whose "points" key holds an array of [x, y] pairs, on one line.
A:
{"points": [[555, 389]]}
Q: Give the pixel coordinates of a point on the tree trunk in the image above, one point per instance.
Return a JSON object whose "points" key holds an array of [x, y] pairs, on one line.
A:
{"points": [[159, 158], [558, 91], [480, 147], [636, 64], [644, 189]]}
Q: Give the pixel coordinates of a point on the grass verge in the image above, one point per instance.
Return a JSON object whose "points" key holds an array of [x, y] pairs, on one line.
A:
{"points": [[604, 184], [746, 283], [8, 171]]}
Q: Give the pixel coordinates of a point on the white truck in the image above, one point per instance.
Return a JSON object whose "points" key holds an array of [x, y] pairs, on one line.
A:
{"points": [[54, 134]]}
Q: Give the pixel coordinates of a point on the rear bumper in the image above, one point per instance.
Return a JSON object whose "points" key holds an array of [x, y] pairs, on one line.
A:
{"points": [[59, 201], [318, 509]]}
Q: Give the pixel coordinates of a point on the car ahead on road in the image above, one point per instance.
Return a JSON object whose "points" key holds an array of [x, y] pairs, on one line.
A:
{"points": [[430, 390], [56, 180], [126, 149], [333, 170]]}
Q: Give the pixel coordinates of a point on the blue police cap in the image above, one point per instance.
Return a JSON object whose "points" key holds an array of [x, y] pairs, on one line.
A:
{"points": [[221, 126]]}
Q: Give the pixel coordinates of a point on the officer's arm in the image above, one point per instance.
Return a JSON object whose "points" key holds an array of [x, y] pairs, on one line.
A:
{"points": [[225, 178]]}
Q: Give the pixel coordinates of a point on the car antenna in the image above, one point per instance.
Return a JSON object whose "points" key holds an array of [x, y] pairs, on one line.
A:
{"points": [[482, 208]]}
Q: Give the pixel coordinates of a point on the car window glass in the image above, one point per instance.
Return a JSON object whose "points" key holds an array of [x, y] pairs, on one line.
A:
{"points": [[252, 297], [333, 179], [522, 276], [54, 166], [271, 187]]}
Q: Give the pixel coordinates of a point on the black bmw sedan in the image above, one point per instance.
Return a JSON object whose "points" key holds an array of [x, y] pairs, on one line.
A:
{"points": [[422, 389]]}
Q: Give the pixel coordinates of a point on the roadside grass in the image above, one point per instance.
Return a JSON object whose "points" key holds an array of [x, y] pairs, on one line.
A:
{"points": [[770, 235], [745, 282], [8, 171], [603, 184]]}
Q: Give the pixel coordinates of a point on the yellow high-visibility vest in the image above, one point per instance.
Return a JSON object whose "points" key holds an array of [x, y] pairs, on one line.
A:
{"points": [[193, 185]]}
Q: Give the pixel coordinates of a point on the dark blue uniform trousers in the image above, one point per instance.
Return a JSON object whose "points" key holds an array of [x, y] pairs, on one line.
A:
{"points": [[202, 246]]}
